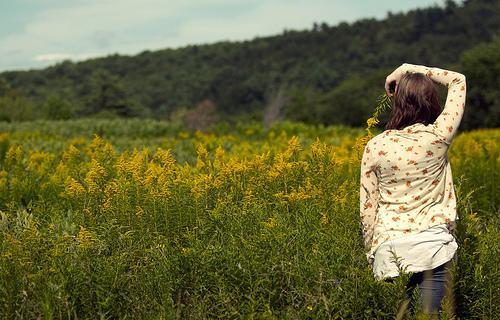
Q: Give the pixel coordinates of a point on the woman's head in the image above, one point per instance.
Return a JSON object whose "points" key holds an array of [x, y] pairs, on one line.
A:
{"points": [[415, 100]]}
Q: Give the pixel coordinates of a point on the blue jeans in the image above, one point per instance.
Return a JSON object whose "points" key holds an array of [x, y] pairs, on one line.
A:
{"points": [[432, 286]]}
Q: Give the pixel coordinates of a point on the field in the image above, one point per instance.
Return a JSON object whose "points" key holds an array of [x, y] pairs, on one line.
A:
{"points": [[144, 220]]}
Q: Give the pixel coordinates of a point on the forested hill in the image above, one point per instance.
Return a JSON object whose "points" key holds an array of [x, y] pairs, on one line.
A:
{"points": [[329, 74]]}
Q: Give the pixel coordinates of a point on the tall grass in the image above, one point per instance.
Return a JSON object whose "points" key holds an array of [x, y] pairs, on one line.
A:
{"points": [[252, 223]]}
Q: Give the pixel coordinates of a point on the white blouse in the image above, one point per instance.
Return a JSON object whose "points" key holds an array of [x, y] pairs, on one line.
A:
{"points": [[422, 251], [406, 183]]}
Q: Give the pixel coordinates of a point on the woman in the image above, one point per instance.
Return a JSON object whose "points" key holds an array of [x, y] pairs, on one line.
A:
{"points": [[407, 197]]}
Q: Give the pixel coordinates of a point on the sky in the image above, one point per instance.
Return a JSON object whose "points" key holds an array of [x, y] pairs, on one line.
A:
{"points": [[38, 33]]}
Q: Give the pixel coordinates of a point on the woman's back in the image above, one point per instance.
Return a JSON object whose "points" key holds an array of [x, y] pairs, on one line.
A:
{"points": [[406, 180], [414, 181], [407, 197]]}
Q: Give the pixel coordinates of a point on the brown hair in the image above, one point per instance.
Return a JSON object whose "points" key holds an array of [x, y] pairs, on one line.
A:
{"points": [[415, 101]]}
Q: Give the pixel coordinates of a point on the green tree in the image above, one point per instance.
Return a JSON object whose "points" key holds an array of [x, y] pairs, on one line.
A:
{"points": [[57, 108], [481, 66], [303, 104], [352, 101], [237, 76], [14, 106], [108, 96], [4, 87], [17, 108]]}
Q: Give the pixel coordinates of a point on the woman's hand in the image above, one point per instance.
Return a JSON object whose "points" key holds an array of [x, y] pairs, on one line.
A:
{"points": [[452, 227], [392, 80]]}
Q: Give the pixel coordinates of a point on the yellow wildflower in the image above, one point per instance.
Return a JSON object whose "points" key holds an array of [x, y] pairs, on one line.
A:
{"points": [[324, 218], [183, 135], [94, 176], [39, 161], [201, 183], [110, 192], [72, 188], [202, 159], [271, 223], [85, 238], [164, 157], [473, 216], [100, 149], [3, 179], [219, 155], [4, 136], [372, 122], [151, 175], [317, 148], [249, 131], [248, 196], [121, 163], [298, 195], [139, 211], [315, 248], [71, 153], [294, 146], [14, 155], [4, 143], [383, 103]]}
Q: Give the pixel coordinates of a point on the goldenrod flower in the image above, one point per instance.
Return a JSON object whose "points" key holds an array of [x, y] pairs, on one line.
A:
{"points": [[183, 135], [72, 188], [372, 122], [71, 153], [164, 157], [94, 176], [39, 161], [202, 159], [139, 211], [219, 155], [14, 155], [317, 148], [324, 218], [3, 179], [294, 146], [85, 238], [383, 102], [271, 223], [4, 136]]}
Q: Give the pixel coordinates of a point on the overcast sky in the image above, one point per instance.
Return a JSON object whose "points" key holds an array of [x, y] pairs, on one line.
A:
{"points": [[38, 33]]}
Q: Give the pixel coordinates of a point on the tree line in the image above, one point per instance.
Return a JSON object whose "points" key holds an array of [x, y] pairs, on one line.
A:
{"points": [[328, 74]]}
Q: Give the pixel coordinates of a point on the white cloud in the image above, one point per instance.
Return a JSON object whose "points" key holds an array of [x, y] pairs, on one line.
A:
{"points": [[54, 57], [94, 26]]}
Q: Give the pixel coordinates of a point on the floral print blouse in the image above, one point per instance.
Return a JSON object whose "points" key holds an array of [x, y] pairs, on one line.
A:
{"points": [[406, 183]]}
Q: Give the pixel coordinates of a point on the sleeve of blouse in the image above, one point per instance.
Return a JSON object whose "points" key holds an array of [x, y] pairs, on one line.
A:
{"points": [[447, 123], [368, 195]]}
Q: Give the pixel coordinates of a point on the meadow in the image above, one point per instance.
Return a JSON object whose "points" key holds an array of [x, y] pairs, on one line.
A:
{"points": [[139, 219]]}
